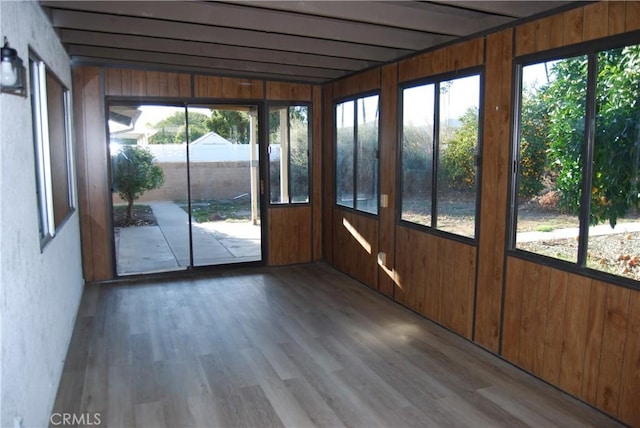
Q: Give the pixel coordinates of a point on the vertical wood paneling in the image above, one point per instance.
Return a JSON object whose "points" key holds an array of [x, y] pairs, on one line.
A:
{"points": [[595, 21], [554, 334], [113, 81], [138, 83], [526, 38], [388, 147], [512, 309], [283, 91], [595, 321], [228, 87], [316, 170], [613, 340], [152, 80], [289, 238], [451, 58], [355, 246], [616, 17], [362, 82], [542, 34], [125, 82], [628, 408], [573, 26], [632, 16], [575, 334], [93, 197], [436, 276], [495, 148]]}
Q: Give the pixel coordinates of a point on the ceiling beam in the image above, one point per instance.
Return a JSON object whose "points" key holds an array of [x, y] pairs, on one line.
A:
{"points": [[398, 14], [516, 9], [239, 16], [209, 50], [212, 63], [157, 66], [203, 33]]}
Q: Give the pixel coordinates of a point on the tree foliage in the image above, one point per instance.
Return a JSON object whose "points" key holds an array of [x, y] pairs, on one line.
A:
{"points": [[534, 133], [172, 130], [459, 154], [614, 186], [134, 172], [230, 124]]}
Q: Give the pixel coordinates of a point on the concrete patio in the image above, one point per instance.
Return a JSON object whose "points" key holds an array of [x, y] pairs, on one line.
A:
{"points": [[165, 247]]}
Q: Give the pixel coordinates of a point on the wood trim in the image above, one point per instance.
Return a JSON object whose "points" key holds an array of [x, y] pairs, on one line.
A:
{"points": [[495, 178], [316, 170], [388, 146], [328, 168]]}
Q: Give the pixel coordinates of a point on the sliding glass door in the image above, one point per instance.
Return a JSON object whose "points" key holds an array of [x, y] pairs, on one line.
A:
{"points": [[185, 186]]}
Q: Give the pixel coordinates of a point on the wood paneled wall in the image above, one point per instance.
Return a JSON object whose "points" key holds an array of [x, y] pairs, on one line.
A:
{"points": [[580, 334], [355, 246], [93, 190], [436, 277], [456, 57], [143, 83], [289, 235], [294, 233]]}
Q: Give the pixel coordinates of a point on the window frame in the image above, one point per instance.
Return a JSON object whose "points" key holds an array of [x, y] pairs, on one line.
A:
{"points": [[590, 50], [355, 98], [40, 116], [288, 105], [436, 80]]}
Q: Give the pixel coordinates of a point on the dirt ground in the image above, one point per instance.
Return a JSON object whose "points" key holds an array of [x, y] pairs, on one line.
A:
{"points": [[142, 215]]}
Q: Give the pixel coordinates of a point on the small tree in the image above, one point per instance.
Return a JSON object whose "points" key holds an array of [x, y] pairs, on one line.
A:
{"points": [[134, 172]]}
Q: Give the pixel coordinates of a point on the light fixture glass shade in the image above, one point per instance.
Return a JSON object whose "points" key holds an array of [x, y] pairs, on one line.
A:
{"points": [[12, 72], [8, 74]]}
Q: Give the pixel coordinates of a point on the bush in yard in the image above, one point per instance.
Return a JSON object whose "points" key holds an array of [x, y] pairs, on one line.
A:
{"points": [[458, 162], [534, 130], [134, 172]]}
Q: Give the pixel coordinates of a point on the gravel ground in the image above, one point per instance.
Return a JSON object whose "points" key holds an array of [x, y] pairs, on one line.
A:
{"points": [[618, 254]]}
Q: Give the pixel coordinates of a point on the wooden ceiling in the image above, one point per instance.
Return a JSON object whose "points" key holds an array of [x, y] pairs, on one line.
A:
{"points": [[310, 41]]}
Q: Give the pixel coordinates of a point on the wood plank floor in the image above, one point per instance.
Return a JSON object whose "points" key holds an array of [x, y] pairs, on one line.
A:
{"points": [[296, 346]]}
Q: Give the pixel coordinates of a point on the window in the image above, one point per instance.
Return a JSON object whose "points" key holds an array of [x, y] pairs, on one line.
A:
{"points": [[577, 182], [289, 137], [53, 156], [357, 127], [440, 137]]}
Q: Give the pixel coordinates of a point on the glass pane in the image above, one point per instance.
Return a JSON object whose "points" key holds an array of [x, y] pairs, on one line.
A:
{"points": [[552, 127], [344, 153], [614, 235], [223, 170], [277, 134], [58, 149], [299, 153], [367, 157], [458, 147], [149, 182], [417, 153]]}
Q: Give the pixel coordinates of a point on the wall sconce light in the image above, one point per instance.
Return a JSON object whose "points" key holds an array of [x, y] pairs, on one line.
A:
{"points": [[12, 72]]}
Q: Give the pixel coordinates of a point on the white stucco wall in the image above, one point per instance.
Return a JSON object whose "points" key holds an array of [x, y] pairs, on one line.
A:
{"points": [[40, 291]]}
